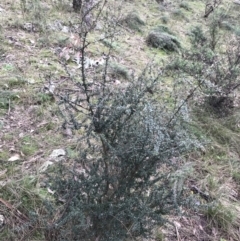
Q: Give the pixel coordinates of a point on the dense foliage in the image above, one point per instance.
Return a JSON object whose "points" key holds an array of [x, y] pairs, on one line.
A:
{"points": [[121, 184]]}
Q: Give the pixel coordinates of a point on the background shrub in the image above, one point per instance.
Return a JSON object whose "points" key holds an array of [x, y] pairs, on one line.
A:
{"points": [[162, 38]]}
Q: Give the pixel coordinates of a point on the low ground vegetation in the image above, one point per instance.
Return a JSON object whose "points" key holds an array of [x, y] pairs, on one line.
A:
{"points": [[160, 37]]}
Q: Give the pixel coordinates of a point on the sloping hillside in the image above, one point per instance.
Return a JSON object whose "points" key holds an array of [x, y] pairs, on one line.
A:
{"points": [[39, 51]]}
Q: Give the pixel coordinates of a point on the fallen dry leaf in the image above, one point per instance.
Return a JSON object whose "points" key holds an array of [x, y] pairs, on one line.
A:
{"points": [[15, 157]]}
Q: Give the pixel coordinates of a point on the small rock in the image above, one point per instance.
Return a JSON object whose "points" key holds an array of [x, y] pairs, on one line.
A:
{"points": [[57, 153], [31, 81], [56, 156], [49, 88], [2, 10], [67, 132], [65, 29], [45, 165], [2, 221]]}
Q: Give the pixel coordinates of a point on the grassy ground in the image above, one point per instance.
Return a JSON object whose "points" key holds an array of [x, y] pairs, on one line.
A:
{"points": [[31, 123]]}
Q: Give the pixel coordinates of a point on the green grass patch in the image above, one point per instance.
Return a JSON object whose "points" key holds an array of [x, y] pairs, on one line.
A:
{"points": [[28, 146], [15, 82], [26, 205], [8, 68], [6, 98], [4, 155], [220, 216], [8, 137], [42, 98], [236, 176]]}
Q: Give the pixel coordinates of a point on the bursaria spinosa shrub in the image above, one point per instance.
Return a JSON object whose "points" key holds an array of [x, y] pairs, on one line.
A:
{"points": [[121, 185], [212, 72]]}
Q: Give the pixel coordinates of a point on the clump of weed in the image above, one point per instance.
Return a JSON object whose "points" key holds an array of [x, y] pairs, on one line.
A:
{"points": [[28, 146], [162, 28], [35, 14], [178, 13], [4, 155], [185, 6], [8, 137], [159, 236], [236, 176], [6, 97], [226, 25], [8, 68], [45, 41], [2, 50], [133, 21], [42, 98], [15, 82], [237, 31], [161, 37], [25, 204], [62, 5], [50, 126], [107, 43], [220, 216], [215, 130], [16, 23], [28, 150], [164, 19], [119, 71]]}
